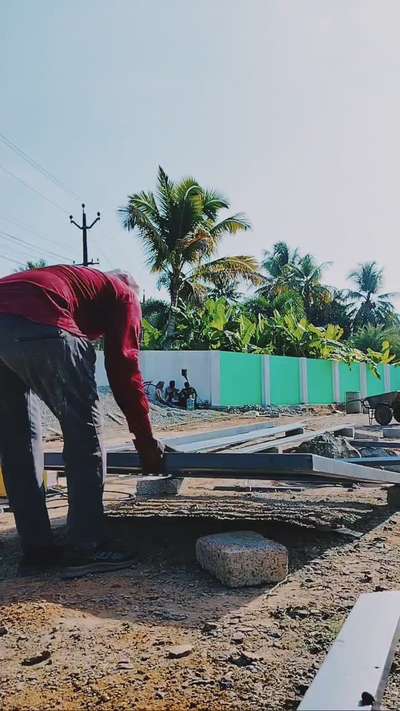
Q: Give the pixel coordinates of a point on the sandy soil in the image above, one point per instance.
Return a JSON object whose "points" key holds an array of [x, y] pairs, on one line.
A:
{"points": [[104, 641]]}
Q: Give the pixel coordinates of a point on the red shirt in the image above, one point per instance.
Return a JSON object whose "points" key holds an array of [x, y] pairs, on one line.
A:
{"points": [[88, 304]]}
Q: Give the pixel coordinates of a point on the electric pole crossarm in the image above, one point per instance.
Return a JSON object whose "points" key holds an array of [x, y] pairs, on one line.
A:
{"points": [[84, 227], [94, 222], [75, 223]]}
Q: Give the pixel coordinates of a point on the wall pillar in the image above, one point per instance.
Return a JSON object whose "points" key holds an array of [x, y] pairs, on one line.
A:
{"points": [[303, 380], [336, 381], [215, 377], [363, 380], [266, 380]]}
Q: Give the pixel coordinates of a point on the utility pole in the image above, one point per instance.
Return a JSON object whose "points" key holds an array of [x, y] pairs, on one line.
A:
{"points": [[85, 227]]}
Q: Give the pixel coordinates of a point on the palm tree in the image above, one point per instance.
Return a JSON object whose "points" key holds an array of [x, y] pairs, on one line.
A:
{"points": [[156, 312], [287, 301], [333, 310], [276, 263], [368, 306], [181, 232], [225, 287], [305, 276], [369, 336]]}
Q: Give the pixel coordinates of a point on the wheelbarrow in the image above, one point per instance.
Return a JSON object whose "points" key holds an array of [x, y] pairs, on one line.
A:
{"points": [[382, 407]]}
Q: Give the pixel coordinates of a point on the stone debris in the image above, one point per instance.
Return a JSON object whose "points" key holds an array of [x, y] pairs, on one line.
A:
{"points": [[242, 558], [42, 658], [180, 650], [328, 445], [243, 659]]}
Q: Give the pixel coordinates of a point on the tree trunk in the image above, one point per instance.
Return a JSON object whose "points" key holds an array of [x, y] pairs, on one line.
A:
{"points": [[171, 323]]}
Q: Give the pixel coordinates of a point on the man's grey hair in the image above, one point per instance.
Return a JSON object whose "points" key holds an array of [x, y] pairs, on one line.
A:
{"points": [[127, 278]]}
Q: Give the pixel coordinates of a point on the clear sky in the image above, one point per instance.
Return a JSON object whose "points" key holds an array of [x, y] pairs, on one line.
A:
{"points": [[290, 108]]}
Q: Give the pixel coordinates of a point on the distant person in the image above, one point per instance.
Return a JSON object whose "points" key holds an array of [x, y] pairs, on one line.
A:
{"points": [[172, 393], [187, 392], [48, 318], [159, 393]]}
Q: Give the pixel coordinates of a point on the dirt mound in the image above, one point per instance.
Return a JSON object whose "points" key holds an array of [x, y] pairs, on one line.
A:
{"points": [[327, 445]]}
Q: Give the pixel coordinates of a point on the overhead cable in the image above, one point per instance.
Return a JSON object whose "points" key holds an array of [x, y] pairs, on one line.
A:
{"points": [[37, 166], [30, 187]]}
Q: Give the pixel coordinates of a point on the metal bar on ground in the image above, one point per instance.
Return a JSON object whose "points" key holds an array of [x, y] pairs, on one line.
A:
{"points": [[259, 466], [384, 443], [226, 432], [211, 444], [375, 461], [355, 671]]}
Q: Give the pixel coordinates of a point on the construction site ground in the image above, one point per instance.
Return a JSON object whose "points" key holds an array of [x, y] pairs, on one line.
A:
{"points": [[165, 634]]}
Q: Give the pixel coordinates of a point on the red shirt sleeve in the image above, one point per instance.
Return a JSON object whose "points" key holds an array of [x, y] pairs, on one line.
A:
{"points": [[121, 352]]}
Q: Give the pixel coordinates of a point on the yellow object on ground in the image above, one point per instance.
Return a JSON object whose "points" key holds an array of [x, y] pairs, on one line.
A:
{"points": [[3, 488]]}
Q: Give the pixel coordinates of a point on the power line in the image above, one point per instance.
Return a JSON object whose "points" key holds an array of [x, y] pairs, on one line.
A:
{"points": [[102, 250], [30, 187], [9, 259], [33, 231], [35, 164], [8, 235]]}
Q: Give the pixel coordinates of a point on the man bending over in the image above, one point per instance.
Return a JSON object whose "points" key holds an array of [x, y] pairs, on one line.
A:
{"points": [[48, 318]]}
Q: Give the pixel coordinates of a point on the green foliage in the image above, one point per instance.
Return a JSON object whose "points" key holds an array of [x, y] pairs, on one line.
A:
{"points": [[376, 339], [218, 325], [369, 337], [215, 326], [284, 302], [333, 309], [152, 338], [32, 265], [384, 356], [156, 312]]}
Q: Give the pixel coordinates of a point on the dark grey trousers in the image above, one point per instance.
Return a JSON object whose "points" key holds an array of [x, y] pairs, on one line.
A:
{"points": [[45, 363]]}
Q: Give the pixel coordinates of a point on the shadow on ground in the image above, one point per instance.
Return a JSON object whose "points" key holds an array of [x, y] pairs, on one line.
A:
{"points": [[166, 586]]}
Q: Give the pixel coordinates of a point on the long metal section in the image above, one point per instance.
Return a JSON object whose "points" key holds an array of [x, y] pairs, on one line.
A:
{"points": [[216, 441], [258, 466], [356, 669]]}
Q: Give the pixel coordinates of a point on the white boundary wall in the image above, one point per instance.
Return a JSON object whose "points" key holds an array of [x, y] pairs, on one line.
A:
{"points": [[202, 367]]}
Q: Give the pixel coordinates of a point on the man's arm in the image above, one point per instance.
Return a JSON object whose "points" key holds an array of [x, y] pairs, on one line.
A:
{"points": [[121, 352]]}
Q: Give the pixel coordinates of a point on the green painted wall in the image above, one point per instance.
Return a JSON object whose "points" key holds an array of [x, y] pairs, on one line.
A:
{"points": [[394, 377], [241, 379], [320, 382], [349, 379], [374, 385], [285, 380]]}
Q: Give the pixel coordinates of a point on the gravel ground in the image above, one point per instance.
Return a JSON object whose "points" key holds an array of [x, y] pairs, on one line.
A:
{"points": [[109, 642], [168, 417]]}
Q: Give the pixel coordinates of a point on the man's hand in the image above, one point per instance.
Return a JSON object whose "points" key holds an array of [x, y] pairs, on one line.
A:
{"points": [[152, 456]]}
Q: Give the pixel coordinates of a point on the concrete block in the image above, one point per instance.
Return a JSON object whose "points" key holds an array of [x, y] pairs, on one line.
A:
{"points": [[242, 558], [155, 486], [391, 432]]}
